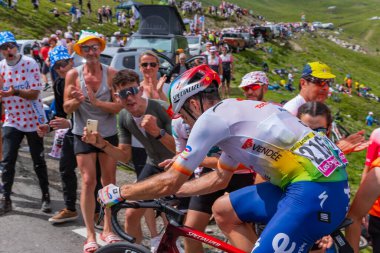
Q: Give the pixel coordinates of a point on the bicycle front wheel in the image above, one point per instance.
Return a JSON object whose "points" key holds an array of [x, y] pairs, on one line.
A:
{"points": [[123, 247]]}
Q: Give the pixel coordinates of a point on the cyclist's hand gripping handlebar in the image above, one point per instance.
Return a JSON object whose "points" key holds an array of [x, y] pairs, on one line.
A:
{"points": [[109, 195]]}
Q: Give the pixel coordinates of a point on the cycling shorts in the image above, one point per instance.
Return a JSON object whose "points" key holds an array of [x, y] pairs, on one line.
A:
{"points": [[226, 76], [296, 217], [203, 203]]}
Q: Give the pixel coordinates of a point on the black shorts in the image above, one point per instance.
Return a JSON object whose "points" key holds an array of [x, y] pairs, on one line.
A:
{"points": [[203, 203], [374, 232], [226, 76], [45, 69], [81, 147], [148, 171]]}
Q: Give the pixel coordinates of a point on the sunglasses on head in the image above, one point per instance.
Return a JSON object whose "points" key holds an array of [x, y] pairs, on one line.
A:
{"points": [[61, 64], [124, 93], [151, 64], [251, 87], [319, 82], [7, 45], [320, 130], [86, 48]]}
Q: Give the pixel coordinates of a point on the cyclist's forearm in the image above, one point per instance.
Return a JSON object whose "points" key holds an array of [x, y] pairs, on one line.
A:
{"points": [[211, 182], [160, 185]]}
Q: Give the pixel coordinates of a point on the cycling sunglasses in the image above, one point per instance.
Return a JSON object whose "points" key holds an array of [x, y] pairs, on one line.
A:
{"points": [[124, 93], [7, 45], [151, 64], [61, 64], [320, 130], [86, 48], [251, 87], [319, 82]]}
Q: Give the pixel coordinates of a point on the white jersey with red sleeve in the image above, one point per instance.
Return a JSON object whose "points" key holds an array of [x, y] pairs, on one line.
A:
{"points": [[263, 137]]}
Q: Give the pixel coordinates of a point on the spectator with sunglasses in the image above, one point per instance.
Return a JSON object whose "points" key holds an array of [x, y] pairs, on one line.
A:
{"points": [[254, 85], [146, 120], [88, 95], [153, 87], [20, 94], [314, 87]]}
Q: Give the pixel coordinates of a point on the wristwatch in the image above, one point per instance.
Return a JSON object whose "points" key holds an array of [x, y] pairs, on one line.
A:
{"points": [[162, 134], [16, 93]]}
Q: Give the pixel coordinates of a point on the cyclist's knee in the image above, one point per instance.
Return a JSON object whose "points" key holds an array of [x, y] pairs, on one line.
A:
{"points": [[224, 213]]}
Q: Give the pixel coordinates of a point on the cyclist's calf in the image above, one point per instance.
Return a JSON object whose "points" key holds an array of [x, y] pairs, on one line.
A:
{"points": [[239, 233]]}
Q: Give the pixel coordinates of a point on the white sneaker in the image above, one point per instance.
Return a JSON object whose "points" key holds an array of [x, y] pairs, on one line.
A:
{"points": [[154, 243]]}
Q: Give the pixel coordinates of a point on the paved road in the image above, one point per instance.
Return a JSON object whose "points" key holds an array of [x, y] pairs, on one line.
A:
{"points": [[26, 229]]}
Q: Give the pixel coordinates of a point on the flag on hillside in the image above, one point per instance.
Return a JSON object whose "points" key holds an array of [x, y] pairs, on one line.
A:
{"points": [[136, 13]]}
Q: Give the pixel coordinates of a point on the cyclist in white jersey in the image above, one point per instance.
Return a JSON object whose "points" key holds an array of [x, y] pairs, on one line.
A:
{"points": [[306, 195]]}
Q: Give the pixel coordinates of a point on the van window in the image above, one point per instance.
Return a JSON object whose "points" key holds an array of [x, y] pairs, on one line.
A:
{"points": [[129, 62], [160, 44]]}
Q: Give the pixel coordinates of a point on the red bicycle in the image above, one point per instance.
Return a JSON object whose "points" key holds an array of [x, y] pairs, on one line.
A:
{"points": [[173, 230]]}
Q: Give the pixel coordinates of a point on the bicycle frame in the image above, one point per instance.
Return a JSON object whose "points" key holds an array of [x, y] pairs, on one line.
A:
{"points": [[172, 232]]}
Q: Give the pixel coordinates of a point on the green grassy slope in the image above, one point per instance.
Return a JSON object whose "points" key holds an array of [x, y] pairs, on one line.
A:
{"points": [[29, 24]]}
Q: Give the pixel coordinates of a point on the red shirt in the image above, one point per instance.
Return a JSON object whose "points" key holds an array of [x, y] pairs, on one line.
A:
{"points": [[44, 52], [373, 160]]}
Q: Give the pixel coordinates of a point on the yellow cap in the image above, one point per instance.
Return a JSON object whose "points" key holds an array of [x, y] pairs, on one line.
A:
{"points": [[318, 70]]}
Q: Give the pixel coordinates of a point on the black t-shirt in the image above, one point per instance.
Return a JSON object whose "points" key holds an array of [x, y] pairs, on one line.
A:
{"points": [[58, 88]]}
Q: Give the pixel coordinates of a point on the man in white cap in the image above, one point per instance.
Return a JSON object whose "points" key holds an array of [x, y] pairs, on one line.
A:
{"points": [[61, 41], [369, 119], [208, 46], [214, 61], [69, 42], [88, 96], [119, 40], [76, 36], [254, 85]]}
